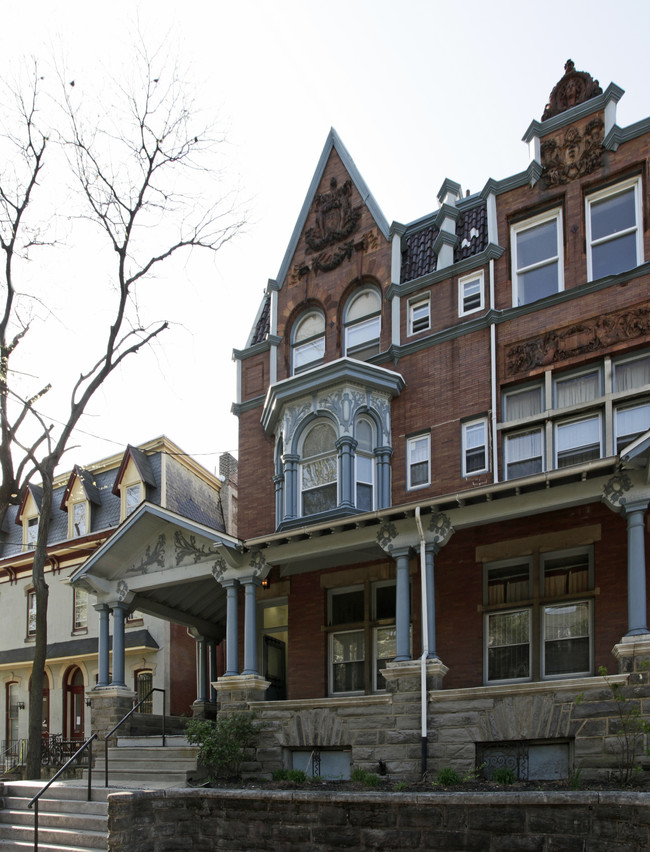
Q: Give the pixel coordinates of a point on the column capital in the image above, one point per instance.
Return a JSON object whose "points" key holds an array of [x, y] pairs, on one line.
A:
{"points": [[228, 582], [101, 607]]}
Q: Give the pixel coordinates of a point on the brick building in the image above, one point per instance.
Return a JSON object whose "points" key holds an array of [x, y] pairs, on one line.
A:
{"points": [[443, 467]]}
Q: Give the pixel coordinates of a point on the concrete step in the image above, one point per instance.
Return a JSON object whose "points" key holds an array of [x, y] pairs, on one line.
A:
{"points": [[151, 741], [147, 766], [71, 839]]}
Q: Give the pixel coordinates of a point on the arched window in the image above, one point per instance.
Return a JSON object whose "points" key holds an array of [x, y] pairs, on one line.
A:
{"points": [[318, 469], [308, 343], [365, 466], [362, 324]]}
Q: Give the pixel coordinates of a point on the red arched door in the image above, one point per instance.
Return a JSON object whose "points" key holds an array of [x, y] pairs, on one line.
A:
{"points": [[73, 705]]}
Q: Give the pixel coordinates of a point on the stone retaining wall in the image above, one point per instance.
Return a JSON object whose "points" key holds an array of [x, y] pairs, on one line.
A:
{"points": [[247, 821]]}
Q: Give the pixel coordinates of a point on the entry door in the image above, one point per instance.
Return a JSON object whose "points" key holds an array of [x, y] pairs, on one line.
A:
{"points": [[75, 706], [275, 668]]}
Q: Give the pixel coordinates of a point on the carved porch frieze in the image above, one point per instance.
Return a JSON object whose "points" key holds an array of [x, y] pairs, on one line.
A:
{"points": [[154, 555], [577, 340]]}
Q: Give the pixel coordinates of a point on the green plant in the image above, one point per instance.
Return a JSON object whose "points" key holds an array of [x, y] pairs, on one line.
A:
{"points": [[222, 744], [399, 787], [504, 775], [448, 777], [370, 779], [631, 731], [297, 776], [574, 779]]}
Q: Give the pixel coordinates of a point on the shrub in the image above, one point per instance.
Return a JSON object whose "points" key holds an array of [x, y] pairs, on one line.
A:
{"points": [[370, 779], [222, 744], [447, 777], [297, 776], [504, 775]]}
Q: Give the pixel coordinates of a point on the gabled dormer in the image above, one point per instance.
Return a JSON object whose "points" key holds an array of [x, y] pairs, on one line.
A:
{"points": [[133, 479], [28, 514], [80, 495]]}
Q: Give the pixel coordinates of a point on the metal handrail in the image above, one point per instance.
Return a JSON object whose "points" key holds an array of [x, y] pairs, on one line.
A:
{"points": [[87, 745], [128, 715]]}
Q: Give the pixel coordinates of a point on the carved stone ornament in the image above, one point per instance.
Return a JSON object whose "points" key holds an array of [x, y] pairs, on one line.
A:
{"points": [[574, 88], [257, 563], [576, 340], [440, 526], [122, 590], [219, 568], [186, 547], [614, 491], [336, 219], [572, 154], [153, 556], [387, 532]]}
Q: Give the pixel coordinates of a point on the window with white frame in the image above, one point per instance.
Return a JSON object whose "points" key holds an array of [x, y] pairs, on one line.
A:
{"points": [[132, 498], [545, 596], [364, 465], [308, 342], [523, 402], [524, 453], [475, 447], [418, 454], [319, 469], [31, 613], [362, 637], [79, 609], [419, 314], [578, 441], [537, 258], [78, 513], [577, 389], [630, 421], [31, 531], [614, 234], [470, 294], [362, 324]]}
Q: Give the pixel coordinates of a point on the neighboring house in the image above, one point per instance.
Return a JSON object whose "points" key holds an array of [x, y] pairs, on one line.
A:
{"points": [[90, 503], [468, 393]]}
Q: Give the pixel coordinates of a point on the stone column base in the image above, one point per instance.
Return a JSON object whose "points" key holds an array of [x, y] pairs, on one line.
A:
{"points": [[204, 710], [234, 692], [633, 655], [108, 706], [405, 676]]}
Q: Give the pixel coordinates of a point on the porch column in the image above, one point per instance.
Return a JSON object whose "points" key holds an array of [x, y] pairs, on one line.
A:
{"points": [[232, 627], [430, 552], [403, 606], [250, 625], [345, 447], [212, 669], [383, 455], [119, 610], [103, 643], [636, 587], [290, 485], [201, 670]]}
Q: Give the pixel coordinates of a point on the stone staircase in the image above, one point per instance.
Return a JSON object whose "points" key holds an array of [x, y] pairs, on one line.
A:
{"points": [[67, 822]]}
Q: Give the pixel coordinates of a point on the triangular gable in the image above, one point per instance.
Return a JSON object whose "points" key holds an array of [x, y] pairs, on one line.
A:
{"points": [[87, 484], [32, 494], [333, 143], [142, 464]]}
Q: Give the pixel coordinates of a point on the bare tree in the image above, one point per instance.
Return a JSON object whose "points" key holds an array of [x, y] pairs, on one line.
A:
{"points": [[135, 169]]}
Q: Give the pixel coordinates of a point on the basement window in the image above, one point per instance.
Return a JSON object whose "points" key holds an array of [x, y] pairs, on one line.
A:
{"points": [[528, 760]]}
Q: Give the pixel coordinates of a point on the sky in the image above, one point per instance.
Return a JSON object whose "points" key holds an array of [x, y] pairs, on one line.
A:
{"points": [[418, 92]]}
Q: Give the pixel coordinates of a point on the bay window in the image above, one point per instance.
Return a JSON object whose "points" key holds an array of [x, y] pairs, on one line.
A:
{"points": [[319, 469]]}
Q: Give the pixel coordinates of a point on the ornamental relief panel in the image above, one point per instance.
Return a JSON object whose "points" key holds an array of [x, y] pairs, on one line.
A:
{"points": [[572, 154], [344, 403], [575, 340]]}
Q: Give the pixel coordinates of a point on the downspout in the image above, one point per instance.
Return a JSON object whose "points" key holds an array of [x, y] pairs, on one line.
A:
{"points": [[493, 381], [425, 643]]}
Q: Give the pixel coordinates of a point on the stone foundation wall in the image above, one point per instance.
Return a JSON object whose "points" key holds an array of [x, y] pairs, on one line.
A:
{"points": [[244, 820]]}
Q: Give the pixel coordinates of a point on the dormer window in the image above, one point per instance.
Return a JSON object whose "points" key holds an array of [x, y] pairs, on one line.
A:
{"points": [[31, 532], [132, 498], [79, 519], [28, 515], [133, 478], [308, 344], [81, 491], [362, 324]]}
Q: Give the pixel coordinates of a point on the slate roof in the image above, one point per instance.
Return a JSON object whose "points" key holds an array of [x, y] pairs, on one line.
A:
{"points": [[263, 324], [418, 256], [78, 647]]}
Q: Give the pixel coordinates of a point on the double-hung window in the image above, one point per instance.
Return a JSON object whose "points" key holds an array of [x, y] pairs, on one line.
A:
{"points": [[362, 324], [538, 617], [319, 470], [537, 258], [365, 466], [418, 450], [577, 389], [31, 613], [475, 451], [630, 422], [362, 636], [524, 453], [80, 610], [419, 316], [308, 344], [614, 235], [578, 441], [470, 294]]}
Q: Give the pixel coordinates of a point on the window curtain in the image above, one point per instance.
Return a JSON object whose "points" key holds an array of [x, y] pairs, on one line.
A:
{"points": [[523, 404], [632, 374], [577, 390]]}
